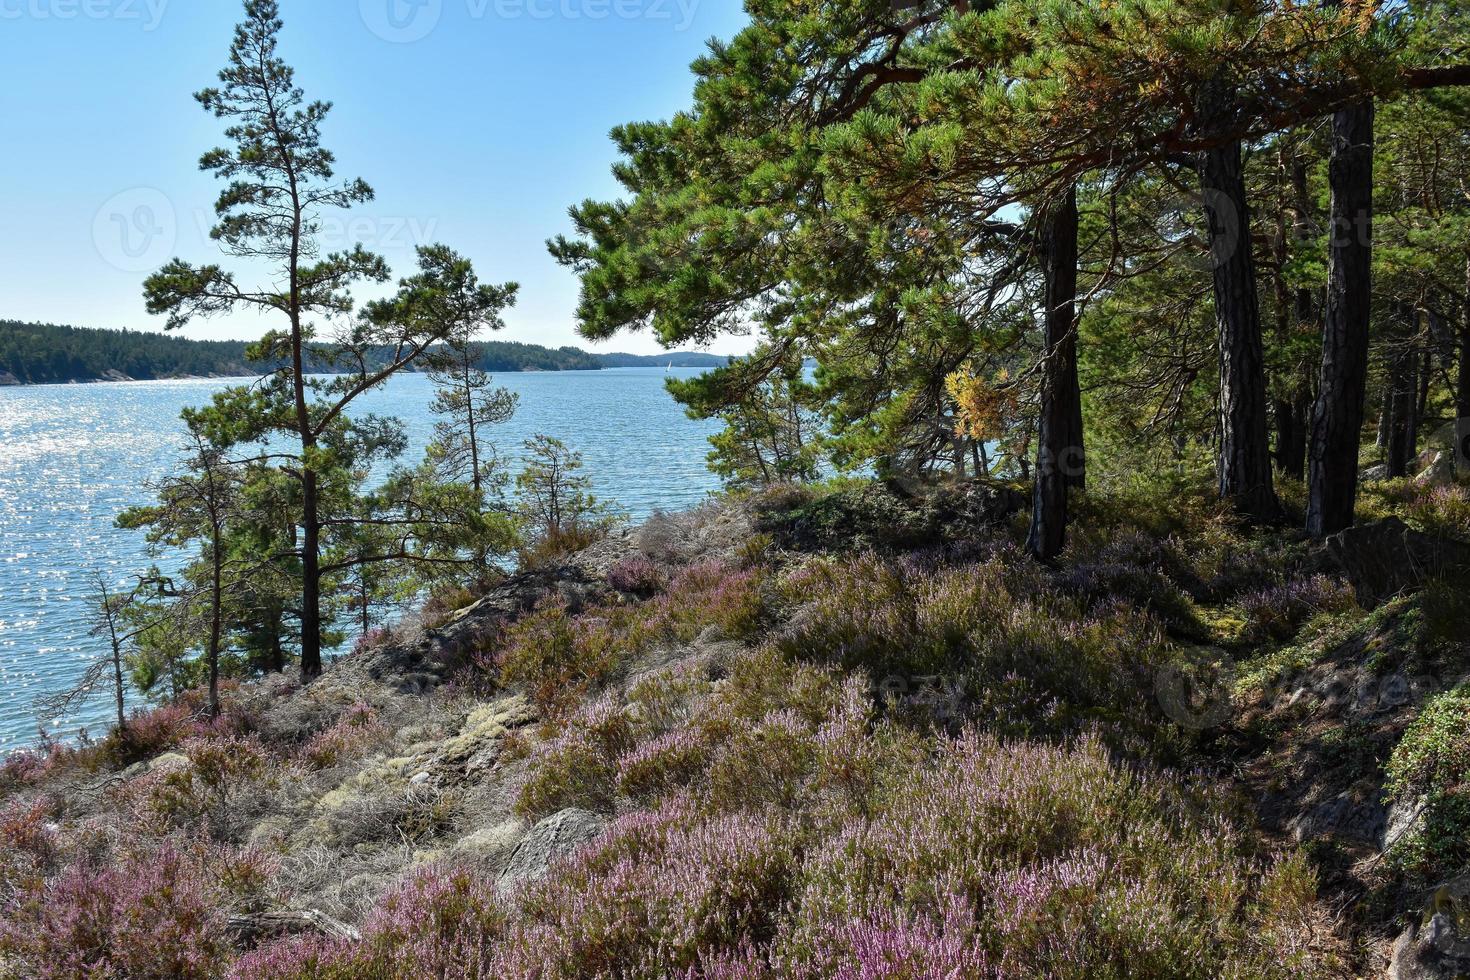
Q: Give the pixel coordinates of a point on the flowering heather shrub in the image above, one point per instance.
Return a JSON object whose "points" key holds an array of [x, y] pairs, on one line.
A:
{"points": [[152, 732], [1442, 509], [559, 657], [708, 593], [29, 846], [155, 914], [1136, 567], [204, 794], [1048, 861], [578, 767], [371, 639], [21, 768], [357, 732], [988, 860], [662, 764], [1276, 613], [980, 625], [441, 923], [636, 575], [664, 890]]}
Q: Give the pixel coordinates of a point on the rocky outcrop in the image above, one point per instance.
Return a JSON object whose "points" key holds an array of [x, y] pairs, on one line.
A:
{"points": [[897, 515], [8, 380], [1437, 947], [1437, 470], [558, 836], [1387, 558], [423, 663]]}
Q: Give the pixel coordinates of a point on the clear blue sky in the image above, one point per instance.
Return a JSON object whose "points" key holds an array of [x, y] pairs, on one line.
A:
{"points": [[476, 121]]}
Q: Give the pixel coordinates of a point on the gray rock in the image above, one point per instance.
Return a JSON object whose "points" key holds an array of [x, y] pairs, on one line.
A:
{"points": [[1402, 819], [168, 762], [558, 836], [414, 668], [1439, 470], [1388, 557], [1342, 817], [1437, 946], [490, 847]]}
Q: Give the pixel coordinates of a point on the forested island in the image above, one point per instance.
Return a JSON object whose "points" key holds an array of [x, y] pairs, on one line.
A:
{"points": [[1088, 595], [43, 353]]}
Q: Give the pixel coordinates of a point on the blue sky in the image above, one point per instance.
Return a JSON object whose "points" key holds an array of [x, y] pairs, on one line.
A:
{"points": [[476, 121]]}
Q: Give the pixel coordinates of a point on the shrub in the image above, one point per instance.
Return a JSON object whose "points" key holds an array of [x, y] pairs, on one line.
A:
{"points": [[441, 923], [155, 914], [29, 845], [995, 633], [663, 890], [637, 576], [578, 767], [205, 793], [1442, 509], [355, 733], [21, 768], [705, 594], [1428, 769], [1049, 861], [990, 859], [1276, 613], [372, 639], [442, 604], [559, 657]]}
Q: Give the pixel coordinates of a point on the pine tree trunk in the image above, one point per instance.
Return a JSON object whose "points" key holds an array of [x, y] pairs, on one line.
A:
{"points": [[1400, 410], [1244, 459], [1462, 398], [1059, 460], [311, 581], [1337, 420], [1292, 457], [216, 618]]}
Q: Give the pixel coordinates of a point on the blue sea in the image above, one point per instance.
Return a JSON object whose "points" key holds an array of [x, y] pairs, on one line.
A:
{"points": [[74, 456]]}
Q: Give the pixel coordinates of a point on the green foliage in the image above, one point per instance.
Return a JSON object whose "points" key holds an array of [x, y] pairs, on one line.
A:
{"points": [[887, 515], [558, 513], [43, 353], [1428, 772], [771, 433]]}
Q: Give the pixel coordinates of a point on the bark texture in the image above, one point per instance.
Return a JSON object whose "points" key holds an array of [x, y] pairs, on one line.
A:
{"points": [[1337, 421], [1244, 459], [1059, 459]]}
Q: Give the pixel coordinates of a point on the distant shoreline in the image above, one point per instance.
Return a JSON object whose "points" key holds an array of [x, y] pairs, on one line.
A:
{"points": [[49, 354], [10, 381]]}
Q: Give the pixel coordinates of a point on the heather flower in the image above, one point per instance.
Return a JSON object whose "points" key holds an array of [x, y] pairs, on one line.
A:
{"points": [[637, 576], [147, 915]]}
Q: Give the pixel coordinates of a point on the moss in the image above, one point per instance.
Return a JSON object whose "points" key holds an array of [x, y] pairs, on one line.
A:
{"points": [[1429, 769], [484, 727]]}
